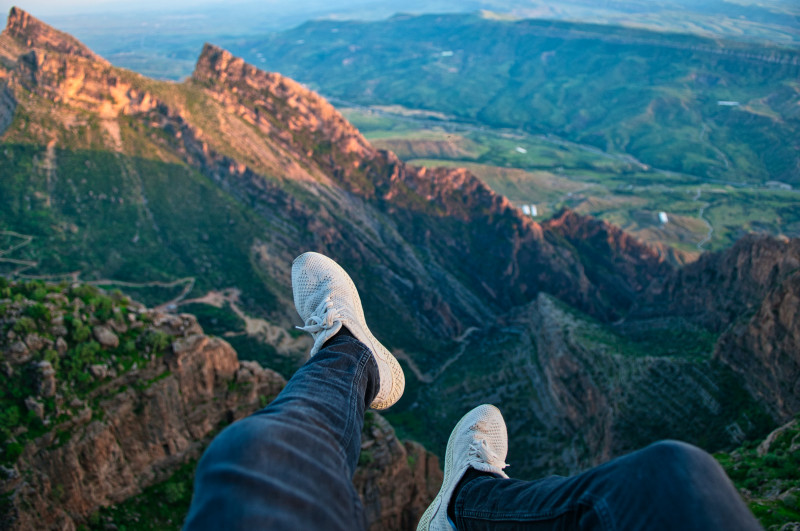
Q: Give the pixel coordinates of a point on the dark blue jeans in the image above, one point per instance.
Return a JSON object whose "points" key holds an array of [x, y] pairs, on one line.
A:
{"points": [[290, 466]]}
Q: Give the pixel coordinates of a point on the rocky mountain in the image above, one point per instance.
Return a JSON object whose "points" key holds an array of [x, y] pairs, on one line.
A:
{"points": [[262, 169], [749, 294], [651, 95], [103, 398], [197, 195]]}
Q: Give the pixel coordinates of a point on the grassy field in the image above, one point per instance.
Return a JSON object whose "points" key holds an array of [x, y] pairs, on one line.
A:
{"points": [[552, 173], [718, 110]]}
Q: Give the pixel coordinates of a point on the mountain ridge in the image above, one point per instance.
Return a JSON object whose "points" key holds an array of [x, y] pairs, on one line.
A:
{"points": [[223, 181]]}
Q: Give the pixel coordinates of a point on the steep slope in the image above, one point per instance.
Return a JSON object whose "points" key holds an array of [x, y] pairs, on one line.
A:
{"points": [[575, 393], [747, 296], [624, 90], [227, 177], [103, 399]]}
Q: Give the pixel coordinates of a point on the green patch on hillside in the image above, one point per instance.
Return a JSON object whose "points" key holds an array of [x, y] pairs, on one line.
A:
{"points": [[58, 344], [162, 506], [129, 219], [215, 321], [768, 476]]}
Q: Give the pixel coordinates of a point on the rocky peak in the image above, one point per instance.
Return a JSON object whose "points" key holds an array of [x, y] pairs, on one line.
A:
{"points": [[271, 100], [33, 33]]}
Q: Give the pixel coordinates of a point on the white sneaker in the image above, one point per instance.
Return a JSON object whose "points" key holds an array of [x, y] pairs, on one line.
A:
{"points": [[478, 441], [327, 299]]}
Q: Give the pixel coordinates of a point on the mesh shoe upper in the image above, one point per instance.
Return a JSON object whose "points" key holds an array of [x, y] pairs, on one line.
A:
{"points": [[327, 299], [478, 441]]}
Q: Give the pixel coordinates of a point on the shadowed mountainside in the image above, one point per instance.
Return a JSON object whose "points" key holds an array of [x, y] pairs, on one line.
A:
{"points": [[219, 181]]}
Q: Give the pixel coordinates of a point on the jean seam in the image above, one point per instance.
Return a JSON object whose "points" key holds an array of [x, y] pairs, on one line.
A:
{"points": [[603, 512]]}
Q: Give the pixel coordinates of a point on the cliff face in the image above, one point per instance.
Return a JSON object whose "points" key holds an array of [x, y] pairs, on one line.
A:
{"points": [[116, 397], [609, 254], [101, 427], [748, 294], [721, 287], [396, 480], [575, 394], [765, 349], [446, 214]]}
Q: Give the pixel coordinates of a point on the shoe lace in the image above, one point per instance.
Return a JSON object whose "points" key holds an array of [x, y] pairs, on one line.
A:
{"points": [[479, 450], [322, 318]]}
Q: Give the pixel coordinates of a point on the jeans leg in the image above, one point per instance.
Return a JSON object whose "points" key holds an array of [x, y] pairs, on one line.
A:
{"points": [[290, 465], [668, 485]]}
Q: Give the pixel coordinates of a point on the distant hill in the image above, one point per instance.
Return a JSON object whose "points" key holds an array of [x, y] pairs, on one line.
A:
{"points": [[720, 110], [197, 195]]}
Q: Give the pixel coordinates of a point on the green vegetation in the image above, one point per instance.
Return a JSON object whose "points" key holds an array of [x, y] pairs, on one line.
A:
{"points": [[661, 387], [162, 506], [552, 175], [51, 352], [131, 227], [215, 321], [768, 475], [252, 348], [650, 95]]}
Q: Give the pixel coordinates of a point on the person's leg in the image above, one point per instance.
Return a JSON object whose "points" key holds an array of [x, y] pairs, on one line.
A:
{"points": [[668, 485], [290, 465]]}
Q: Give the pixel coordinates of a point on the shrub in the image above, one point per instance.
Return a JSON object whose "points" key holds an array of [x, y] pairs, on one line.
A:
{"points": [[174, 492], [39, 293], [81, 332], [38, 311], [53, 357], [13, 451], [104, 308], [25, 325], [157, 341], [9, 417]]}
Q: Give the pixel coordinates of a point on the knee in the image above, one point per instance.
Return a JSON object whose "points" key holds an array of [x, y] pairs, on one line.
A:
{"points": [[675, 452], [675, 459]]}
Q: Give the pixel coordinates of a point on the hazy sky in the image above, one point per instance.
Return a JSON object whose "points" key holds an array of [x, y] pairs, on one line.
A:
{"points": [[44, 8]]}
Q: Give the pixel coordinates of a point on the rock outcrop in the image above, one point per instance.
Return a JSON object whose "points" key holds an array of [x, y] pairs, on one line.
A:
{"points": [[101, 430], [721, 287], [133, 430], [608, 254], [396, 480], [36, 34], [748, 295], [765, 349]]}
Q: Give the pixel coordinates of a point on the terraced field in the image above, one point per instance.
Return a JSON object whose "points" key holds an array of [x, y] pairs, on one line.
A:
{"points": [[551, 173]]}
